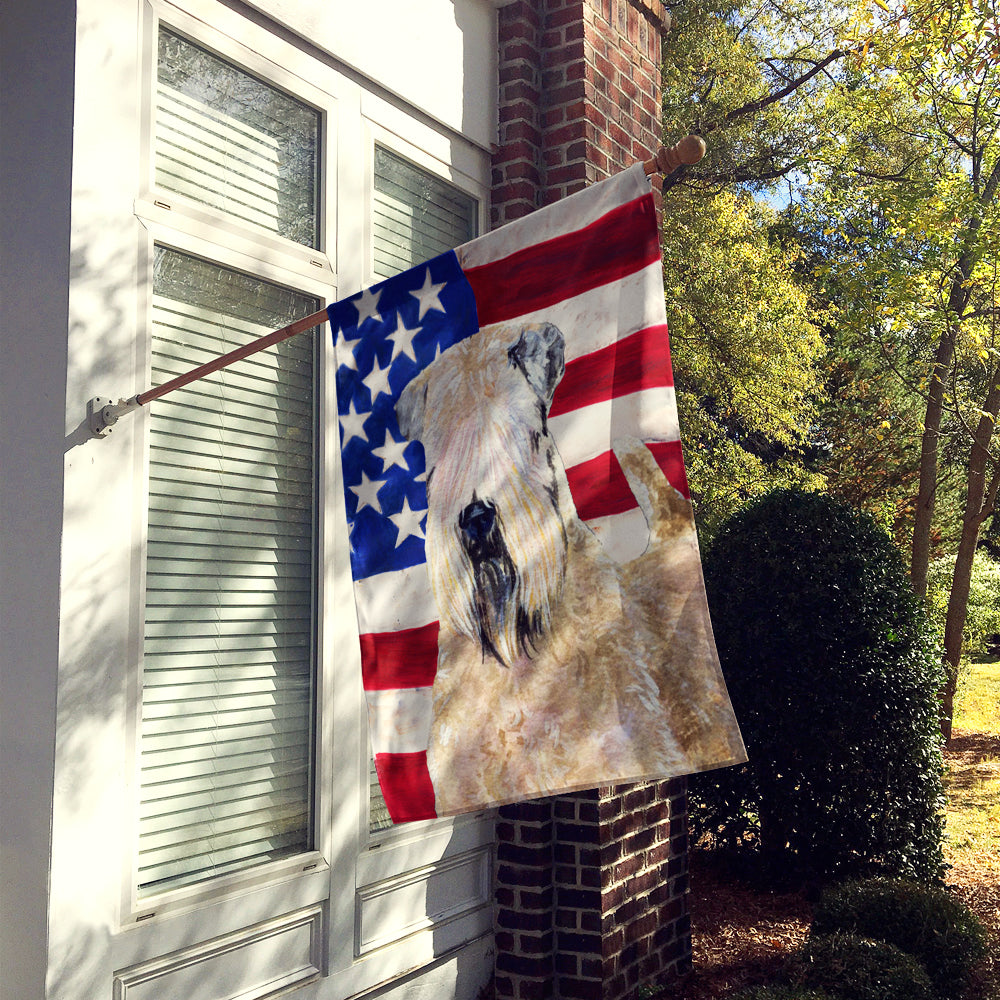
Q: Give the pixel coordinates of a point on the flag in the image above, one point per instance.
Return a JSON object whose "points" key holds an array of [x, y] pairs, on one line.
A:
{"points": [[587, 268]]}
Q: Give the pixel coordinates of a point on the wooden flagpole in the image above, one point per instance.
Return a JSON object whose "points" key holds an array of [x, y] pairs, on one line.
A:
{"points": [[102, 414]]}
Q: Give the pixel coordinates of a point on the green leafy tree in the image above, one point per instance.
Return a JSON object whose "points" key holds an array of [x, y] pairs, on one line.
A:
{"points": [[747, 355], [912, 189]]}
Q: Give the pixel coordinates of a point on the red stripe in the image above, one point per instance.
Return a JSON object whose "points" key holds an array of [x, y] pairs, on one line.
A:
{"points": [[404, 659], [670, 459], [599, 487], [406, 785], [639, 361], [617, 244]]}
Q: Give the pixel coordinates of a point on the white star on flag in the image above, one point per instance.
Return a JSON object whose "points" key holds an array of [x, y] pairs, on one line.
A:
{"points": [[353, 424], [427, 295], [407, 522], [345, 355], [391, 452], [377, 380], [367, 306], [402, 341], [367, 493]]}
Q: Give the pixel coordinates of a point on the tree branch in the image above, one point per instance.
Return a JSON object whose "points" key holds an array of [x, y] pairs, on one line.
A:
{"points": [[754, 106]]}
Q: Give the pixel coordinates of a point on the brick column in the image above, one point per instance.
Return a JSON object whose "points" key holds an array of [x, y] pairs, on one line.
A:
{"points": [[591, 888], [579, 96]]}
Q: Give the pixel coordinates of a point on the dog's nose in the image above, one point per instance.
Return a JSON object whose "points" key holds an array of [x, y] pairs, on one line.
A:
{"points": [[477, 519]]}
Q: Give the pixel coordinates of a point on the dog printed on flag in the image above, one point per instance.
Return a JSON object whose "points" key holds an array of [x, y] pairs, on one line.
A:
{"points": [[527, 578]]}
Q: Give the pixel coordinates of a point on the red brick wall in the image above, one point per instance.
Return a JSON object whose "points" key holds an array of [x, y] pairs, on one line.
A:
{"points": [[579, 96], [591, 893], [591, 888]]}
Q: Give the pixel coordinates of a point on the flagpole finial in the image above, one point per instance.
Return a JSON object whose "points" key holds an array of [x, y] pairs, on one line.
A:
{"points": [[688, 151]]}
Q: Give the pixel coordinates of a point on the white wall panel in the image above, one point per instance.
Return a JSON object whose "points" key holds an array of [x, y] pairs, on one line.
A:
{"points": [[438, 56]]}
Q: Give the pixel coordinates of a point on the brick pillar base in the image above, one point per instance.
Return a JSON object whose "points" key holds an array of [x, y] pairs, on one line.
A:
{"points": [[591, 893]]}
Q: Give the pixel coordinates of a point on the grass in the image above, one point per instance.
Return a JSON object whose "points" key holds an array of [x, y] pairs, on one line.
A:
{"points": [[973, 782], [977, 702], [972, 848]]}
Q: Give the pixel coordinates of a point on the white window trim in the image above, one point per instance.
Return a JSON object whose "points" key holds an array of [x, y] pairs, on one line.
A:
{"points": [[348, 866], [192, 240]]}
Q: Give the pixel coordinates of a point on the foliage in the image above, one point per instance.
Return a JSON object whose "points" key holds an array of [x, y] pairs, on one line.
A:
{"points": [[746, 354], [857, 968], [878, 124], [983, 615], [747, 76], [833, 673], [911, 192], [926, 922]]}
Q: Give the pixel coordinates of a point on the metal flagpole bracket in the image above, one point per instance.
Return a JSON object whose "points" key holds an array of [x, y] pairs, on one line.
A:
{"points": [[103, 413]]}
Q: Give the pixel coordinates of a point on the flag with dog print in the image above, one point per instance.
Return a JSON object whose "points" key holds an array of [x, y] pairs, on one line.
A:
{"points": [[526, 570]]}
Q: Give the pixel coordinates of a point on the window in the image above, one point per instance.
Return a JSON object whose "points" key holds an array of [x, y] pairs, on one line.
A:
{"points": [[228, 680], [229, 647], [415, 216], [228, 140], [252, 804]]}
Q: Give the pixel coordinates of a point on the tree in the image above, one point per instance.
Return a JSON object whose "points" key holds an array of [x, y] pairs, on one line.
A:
{"points": [[913, 183], [747, 352], [747, 356]]}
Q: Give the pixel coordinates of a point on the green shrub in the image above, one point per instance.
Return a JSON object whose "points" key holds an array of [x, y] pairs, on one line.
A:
{"points": [[856, 968], [834, 674], [926, 922]]}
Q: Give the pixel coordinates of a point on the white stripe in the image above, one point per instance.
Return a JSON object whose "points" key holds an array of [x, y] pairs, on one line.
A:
{"points": [[389, 602], [606, 314], [399, 721], [565, 216], [583, 434], [622, 536]]}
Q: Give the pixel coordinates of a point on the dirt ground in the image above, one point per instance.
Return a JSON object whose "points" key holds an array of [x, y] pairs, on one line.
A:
{"points": [[742, 935]]}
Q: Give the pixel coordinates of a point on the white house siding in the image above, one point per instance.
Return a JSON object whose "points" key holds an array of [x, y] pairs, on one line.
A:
{"points": [[74, 285], [36, 116]]}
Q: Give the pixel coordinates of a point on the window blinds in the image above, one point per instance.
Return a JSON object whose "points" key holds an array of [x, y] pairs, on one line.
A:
{"points": [[227, 681], [415, 216], [225, 139]]}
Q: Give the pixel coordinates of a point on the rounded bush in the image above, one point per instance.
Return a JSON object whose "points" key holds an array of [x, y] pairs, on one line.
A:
{"points": [[856, 968], [833, 673], [925, 922]]}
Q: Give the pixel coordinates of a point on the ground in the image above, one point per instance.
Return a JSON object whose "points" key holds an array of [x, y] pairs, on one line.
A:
{"points": [[742, 935]]}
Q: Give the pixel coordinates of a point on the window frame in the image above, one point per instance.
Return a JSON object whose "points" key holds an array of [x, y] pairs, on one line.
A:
{"points": [[177, 223], [348, 865]]}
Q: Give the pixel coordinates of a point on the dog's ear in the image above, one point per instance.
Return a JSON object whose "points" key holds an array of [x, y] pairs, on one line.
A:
{"points": [[540, 354], [410, 409]]}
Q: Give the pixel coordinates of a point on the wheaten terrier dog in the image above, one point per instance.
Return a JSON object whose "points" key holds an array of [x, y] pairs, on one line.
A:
{"points": [[557, 667]]}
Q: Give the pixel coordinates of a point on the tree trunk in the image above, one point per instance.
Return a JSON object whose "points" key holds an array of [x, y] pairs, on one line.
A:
{"points": [[958, 299], [920, 553], [979, 502]]}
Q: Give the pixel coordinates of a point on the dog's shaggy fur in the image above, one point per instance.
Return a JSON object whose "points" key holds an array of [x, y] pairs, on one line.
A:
{"points": [[557, 667]]}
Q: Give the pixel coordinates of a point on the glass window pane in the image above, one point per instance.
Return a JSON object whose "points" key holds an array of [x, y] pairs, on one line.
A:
{"points": [[231, 141], [228, 682], [416, 215]]}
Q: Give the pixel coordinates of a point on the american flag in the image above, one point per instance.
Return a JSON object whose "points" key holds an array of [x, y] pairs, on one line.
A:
{"points": [[590, 264]]}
